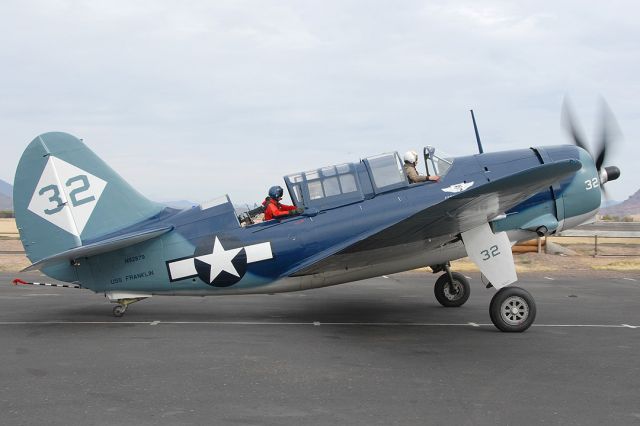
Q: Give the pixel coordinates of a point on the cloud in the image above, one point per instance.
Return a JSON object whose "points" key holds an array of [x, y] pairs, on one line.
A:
{"points": [[194, 100]]}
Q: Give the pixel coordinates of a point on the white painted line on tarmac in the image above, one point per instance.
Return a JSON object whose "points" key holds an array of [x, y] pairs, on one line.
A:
{"points": [[72, 322], [41, 294], [630, 279], [582, 325], [384, 276], [467, 277], [549, 278], [315, 323]]}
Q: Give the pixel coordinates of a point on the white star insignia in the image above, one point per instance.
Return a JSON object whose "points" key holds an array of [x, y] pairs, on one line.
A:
{"points": [[220, 260]]}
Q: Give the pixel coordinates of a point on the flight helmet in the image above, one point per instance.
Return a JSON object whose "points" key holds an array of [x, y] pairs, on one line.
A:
{"points": [[275, 192], [411, 157]]}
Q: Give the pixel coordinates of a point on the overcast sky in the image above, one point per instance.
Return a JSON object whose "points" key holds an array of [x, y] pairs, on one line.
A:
{"points": [[191, 100]]}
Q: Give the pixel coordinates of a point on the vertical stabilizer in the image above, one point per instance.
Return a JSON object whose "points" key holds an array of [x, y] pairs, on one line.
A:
{"points": [[65, 195]]}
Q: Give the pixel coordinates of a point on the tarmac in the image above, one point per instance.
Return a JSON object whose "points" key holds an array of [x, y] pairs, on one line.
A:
{"points": [[375, 352]]}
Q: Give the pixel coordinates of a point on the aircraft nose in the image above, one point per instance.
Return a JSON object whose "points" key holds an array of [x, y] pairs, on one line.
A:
{"points": [[609, 173]]}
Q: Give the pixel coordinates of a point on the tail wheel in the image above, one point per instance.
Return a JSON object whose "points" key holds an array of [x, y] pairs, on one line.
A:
{"points": [[119, 310], [123, 304], [452, 294], [512, 309]]}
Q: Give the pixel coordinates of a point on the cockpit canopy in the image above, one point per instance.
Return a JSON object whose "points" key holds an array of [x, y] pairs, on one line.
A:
{"points": [[326, 187], [333, 186]]}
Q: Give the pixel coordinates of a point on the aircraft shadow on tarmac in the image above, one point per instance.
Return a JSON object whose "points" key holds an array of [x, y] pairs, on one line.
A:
{"points": [[271, 310]]}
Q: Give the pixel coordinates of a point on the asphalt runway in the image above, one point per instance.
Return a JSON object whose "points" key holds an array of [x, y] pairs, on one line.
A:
{"points": [[380, 351]]}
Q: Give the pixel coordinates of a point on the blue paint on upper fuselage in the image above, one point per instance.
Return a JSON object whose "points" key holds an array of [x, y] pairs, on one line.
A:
{"points": [[296, 239]]}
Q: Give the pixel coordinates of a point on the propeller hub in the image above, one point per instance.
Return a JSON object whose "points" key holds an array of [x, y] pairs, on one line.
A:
{"points": [[609, 173]]}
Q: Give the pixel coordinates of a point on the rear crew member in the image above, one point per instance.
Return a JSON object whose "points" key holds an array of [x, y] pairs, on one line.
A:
{"points": [[410, 162], [274, 209]]}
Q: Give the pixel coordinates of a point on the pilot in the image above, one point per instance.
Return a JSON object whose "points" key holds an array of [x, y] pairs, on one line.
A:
{"points": [[410, 162], [274, 209]]}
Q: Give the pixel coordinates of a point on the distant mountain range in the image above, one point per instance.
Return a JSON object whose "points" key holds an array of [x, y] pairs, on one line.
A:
{"points": [[608, 203], [6, 188], [6, 196], [629, 207]]}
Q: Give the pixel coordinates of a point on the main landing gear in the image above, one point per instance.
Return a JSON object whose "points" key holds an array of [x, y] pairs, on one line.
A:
{"points": [[512, 309], [452, 289]]}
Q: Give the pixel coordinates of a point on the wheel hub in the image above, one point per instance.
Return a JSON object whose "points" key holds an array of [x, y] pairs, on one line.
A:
{"points": [[453, 292], [514, 310]]}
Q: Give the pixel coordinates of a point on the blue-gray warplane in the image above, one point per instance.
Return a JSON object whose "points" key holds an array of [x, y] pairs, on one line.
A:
{"points": [[81, 223]]}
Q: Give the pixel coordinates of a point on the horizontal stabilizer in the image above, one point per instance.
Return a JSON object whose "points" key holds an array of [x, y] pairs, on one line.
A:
{"points": [[104, 246]]}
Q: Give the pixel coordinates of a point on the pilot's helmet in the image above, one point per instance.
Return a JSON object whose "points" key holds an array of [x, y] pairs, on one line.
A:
{"points": [[275, 192], [411, 157]]}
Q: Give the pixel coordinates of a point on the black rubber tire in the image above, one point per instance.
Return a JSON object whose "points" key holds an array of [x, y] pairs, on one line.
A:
{"points": [[441, 290], [512, 309], [119, 310]]}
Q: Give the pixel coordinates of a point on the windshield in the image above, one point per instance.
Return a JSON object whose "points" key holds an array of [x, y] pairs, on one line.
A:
{"points": [[438, 163]]}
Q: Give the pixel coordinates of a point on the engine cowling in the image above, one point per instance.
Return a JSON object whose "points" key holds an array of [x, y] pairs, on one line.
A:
{"points": [[566, 204]]}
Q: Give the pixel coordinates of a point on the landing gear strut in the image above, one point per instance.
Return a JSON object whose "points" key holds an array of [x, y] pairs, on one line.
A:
{"points": [[512, 309], [451, 289], [122, 305]]}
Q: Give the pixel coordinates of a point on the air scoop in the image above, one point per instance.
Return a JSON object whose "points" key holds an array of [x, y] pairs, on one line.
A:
{"points": [[609, 173]]}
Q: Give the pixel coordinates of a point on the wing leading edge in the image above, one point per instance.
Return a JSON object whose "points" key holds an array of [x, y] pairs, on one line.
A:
{"points": [[452, 216]]}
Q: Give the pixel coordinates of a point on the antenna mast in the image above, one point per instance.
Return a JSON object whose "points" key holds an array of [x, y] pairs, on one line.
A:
{"points": [[475, 127]]}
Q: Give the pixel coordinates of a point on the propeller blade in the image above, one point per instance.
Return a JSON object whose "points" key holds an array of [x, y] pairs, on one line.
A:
{"points": [[605, 194], [601, 156], [609, 133], [570, 124]]}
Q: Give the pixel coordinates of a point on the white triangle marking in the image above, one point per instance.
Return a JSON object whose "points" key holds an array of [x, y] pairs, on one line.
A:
{"points": [[66, 195]]}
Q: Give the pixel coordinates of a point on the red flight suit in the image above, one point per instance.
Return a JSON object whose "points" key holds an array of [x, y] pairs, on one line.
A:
{"points": [[273, 209]]}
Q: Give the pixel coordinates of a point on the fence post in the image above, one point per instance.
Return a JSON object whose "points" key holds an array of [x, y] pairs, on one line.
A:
{"points": [[595, 254]]}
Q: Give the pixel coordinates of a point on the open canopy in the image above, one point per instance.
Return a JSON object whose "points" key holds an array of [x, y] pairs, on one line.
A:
{"points": [[342, 184]]}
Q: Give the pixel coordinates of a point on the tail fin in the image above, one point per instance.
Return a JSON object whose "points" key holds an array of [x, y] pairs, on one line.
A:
{"points": [[64, 195]]}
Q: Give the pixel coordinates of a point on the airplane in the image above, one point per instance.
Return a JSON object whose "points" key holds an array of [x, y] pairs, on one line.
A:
{"points": [[83, 224]]}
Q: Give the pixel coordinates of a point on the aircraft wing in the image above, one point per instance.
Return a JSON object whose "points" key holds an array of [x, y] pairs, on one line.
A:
{"points": [[450, 217], [104, 246]]}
